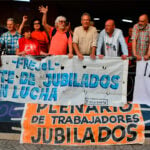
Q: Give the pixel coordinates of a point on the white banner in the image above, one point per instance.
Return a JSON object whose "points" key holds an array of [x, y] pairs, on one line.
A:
{"points": [[58, 80], [141, 93]]}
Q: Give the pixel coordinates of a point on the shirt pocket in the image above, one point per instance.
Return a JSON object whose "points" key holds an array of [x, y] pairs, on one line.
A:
{"points": [[8, 42], [82, 40], [145, 38]]}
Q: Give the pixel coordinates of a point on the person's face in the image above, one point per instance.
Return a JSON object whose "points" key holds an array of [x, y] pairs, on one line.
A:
{"points": [[61, 24], [130, 32], [85, 21], [36, 25], [10, 25], [27, 34], [142, 21], [109, 27]]}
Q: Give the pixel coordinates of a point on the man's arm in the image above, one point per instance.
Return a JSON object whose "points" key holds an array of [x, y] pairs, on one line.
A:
{"points": [[148, 52], [93, 52], [75, 45], [146, 57], [134, 47], [134, 43], [99, 45], [76, 48], [70, 55], [123, 44], [134, 35], [44, 10], [94, 44]]}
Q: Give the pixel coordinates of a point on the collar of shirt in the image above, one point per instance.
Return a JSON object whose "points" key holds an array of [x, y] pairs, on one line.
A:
{"points": [[16, 33], [87, 29], [145, 28]]}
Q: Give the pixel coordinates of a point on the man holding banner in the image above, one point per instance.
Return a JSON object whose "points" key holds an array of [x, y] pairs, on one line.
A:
{"points": [[110, 39], [85, 38], [141, 38]]}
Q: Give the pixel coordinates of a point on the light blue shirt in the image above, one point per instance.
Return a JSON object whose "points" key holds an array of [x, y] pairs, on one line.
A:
{"points": [[109, 46]]}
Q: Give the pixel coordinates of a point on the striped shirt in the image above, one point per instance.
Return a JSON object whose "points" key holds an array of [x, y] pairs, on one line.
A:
{"points": [[142, 37], [10, 42]]}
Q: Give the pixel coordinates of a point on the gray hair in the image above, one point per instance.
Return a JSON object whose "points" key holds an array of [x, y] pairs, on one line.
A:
{"points": [[11, 19], [59, 18], [86, 14]]}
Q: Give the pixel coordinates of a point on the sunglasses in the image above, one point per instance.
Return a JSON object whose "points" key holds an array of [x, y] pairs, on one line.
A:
{"points": [[36, 23], [62, 21]]}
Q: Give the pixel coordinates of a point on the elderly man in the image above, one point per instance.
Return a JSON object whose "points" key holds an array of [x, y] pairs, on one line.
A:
{"points": [[10, 39], [85, 38], [60, 38], [141, 38], [110, 41]]}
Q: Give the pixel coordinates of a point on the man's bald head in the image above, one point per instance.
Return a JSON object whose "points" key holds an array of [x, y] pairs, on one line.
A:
{"points": [[109, 26], [143, 20], [110, 21]]}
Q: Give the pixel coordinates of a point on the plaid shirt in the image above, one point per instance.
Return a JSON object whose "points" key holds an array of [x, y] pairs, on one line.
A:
{"points": [[142, 37], [10, 42]]}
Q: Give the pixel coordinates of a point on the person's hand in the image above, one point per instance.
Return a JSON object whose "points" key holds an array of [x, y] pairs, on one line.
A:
{"points": [[93, 56], [80, 56], [43, 9], [47, 54], [138, 57], [44, 54], [24, 19], [70, 55], [124, 57], [146, 57], [100, 56], [23, 53]]}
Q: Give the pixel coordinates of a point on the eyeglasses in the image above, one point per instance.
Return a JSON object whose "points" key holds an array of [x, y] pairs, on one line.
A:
{"points": [[36, 23], [62, 21]]}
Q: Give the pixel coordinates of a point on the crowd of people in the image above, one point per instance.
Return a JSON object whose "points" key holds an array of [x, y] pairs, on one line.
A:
{"points": [[41, 38]]}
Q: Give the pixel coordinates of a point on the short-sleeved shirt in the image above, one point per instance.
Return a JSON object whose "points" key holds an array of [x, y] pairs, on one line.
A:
{"points": [[42, 38], [142, 37], [85, 39], [10, 42], [30, 46], [59, 42]]}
